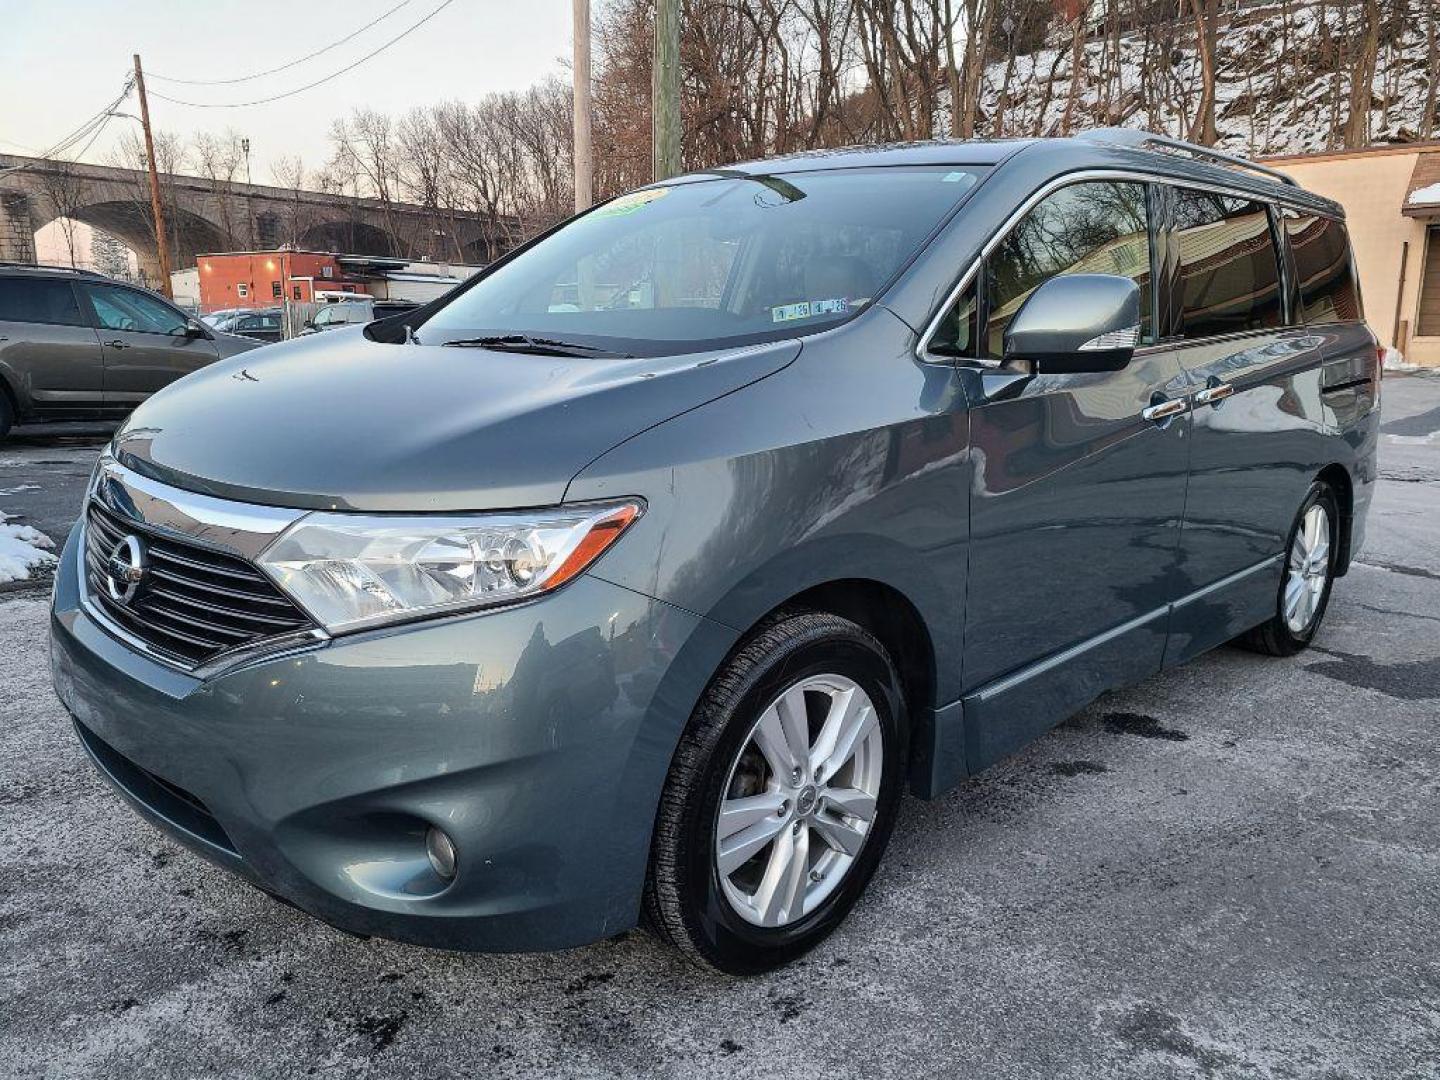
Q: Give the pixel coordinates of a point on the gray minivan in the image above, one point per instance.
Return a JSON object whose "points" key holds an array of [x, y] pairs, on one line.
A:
{"points": [[642, 575], [76, 345]]}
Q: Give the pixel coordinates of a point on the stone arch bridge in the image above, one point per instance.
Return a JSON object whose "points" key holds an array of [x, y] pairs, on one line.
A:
{"points": [[204, 215]]}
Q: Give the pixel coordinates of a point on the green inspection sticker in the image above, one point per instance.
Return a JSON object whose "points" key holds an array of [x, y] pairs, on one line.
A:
{"points": [[628, 204]]}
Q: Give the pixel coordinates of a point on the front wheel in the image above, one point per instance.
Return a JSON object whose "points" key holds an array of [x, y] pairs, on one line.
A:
{"points": [[7, 416], [1308, 576], [781, 797]]}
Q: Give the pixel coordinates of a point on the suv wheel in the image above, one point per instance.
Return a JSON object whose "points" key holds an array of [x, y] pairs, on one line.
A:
{"points": [[781, 797], [1308, 576], [7, 415]]}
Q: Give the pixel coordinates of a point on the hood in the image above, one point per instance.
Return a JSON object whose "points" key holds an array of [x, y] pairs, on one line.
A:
{"points": [[337, 421]]}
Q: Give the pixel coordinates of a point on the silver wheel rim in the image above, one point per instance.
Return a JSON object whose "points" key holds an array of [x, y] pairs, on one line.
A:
{"points": [[1308, 570], [799, 800]]}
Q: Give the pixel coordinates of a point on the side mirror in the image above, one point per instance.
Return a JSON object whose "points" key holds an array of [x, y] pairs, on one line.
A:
{"points": [[193, 329], [1077, 323]]}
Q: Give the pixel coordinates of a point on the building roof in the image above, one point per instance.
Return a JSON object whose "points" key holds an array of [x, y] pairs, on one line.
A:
{"points": [[1422, 194]]}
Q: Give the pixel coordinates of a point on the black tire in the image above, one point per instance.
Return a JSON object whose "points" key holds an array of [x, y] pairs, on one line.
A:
{"points": [[7, 415], [684, 902], [1275, 637]]}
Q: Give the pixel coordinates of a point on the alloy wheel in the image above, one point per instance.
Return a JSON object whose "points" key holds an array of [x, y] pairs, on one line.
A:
{"points": [[799, 801], [1308, 569]]}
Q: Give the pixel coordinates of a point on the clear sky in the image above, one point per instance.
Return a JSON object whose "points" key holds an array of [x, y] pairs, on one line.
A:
{"points": [[62, 60]]}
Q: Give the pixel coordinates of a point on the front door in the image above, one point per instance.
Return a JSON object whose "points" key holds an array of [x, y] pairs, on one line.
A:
{"points": [[145, 341], [1077, 497]]}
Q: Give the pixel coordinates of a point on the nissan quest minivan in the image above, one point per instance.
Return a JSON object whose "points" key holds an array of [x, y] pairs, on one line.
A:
{"points": [[641, 576]]}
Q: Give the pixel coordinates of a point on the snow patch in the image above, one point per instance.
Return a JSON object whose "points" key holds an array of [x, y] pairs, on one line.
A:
{"points": [[21, 550], [1425, 196]]}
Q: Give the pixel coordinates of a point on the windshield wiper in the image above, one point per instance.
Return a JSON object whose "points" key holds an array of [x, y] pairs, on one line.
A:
{"points": [[541, 346]]}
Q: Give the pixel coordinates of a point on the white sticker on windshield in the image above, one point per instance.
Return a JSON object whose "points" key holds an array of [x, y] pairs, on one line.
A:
{"points": [[809, 309]]}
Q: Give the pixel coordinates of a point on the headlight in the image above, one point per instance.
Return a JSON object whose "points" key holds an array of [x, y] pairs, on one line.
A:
{"points": [[352, 570]]}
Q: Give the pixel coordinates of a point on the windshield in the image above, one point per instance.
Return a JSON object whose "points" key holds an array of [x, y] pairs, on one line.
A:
{"points": [[712, 263]]}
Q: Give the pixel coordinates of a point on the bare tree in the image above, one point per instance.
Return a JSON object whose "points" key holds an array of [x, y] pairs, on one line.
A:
{"points": [[63, 191]]}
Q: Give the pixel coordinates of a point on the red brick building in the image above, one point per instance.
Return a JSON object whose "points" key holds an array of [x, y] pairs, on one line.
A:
{"points": [[246, 279]]}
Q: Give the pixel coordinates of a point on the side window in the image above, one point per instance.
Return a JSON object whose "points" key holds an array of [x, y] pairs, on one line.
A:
{"points": [[958, 333], [39, 300], [1323, 268], [1228, 267], [125, 309], [323, 316], [1095, 227]]}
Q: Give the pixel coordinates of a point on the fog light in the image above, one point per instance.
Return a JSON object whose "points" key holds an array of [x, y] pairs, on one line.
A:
{"points": [[441, 853]]}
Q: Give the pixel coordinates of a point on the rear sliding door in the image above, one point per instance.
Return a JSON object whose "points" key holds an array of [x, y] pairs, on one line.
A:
{"points": [[1255, 414]]}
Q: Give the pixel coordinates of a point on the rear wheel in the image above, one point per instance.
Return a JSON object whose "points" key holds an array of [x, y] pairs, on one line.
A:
{"points": [[7, 416], [781, 797], [1308, 576]]}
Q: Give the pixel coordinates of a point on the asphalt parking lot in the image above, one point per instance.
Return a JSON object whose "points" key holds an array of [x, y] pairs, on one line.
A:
{"points": [[1232, 870]]}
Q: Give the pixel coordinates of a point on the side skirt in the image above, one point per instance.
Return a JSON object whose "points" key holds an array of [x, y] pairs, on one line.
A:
{"points": [[1002, 716]]}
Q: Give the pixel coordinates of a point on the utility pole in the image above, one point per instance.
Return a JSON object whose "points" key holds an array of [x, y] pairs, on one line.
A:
{"points": [[665, 89], [249, 209], [162, 247], [584, 165]]}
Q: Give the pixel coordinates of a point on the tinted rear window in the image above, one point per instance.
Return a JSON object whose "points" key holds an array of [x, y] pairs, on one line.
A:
{"points": [[38, 300], [1227, 263], [1323, 268]]}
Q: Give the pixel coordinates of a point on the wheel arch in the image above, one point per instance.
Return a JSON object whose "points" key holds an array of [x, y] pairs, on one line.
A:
{"points": [[8, 393], [885, 611], [1338, 477]]}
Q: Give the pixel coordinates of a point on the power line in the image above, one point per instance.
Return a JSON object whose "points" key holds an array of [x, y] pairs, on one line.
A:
{"points": [[283, 67], [90, 130], [308, 86]]}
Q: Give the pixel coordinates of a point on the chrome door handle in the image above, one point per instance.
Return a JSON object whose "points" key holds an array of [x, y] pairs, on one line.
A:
{"points": [[1163, 410], [1214, 393], [117, 344]]}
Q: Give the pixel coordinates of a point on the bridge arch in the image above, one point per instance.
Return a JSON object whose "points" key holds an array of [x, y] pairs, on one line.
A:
{"points": [[350, 238], [129, 222]]}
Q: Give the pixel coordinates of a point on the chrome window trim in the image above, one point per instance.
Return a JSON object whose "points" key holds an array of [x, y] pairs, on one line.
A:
{"points": [[238, 529], [1080, 176]]}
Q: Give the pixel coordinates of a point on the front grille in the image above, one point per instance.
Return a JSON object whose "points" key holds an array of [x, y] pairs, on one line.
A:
{"points": [[193, 602]]}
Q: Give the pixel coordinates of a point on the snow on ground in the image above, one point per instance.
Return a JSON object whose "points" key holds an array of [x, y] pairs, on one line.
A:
{"points": [[21, 551]]}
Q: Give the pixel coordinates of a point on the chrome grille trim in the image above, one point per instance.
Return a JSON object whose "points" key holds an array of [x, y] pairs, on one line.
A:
{"points": [[204, 607]]}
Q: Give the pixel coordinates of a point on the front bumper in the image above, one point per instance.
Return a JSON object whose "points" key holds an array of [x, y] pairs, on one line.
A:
{"points": [[538, 737]]}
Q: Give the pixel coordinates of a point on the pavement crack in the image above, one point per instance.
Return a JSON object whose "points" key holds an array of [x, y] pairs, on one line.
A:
{"points": [[1397, 568]]}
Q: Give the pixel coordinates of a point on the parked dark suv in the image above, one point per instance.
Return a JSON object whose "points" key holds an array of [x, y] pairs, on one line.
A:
{"points": [[76, 345], [262, 324], [647, 570]]}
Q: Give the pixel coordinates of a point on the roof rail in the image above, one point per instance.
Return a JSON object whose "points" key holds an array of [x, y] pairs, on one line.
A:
{"points": [[1132, 137], [5, 265]]}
